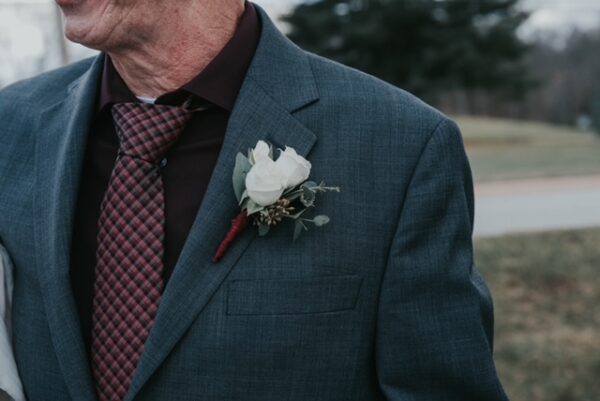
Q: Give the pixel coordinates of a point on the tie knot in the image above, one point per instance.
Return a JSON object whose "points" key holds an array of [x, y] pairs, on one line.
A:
{"points": [[148, 131]]}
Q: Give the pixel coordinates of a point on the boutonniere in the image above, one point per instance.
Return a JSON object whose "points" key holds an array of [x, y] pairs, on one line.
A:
{"points": [[269, 191]]}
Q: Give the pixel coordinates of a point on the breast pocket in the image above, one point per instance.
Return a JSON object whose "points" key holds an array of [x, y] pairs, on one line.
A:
{"points": [[293, 296]]}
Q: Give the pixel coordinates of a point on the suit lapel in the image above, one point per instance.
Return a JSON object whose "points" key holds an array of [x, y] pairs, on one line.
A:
{"points": [[263, 110], [60, 148]]}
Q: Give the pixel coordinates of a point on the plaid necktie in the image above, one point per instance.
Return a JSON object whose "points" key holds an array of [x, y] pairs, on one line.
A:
{"points": [[129, 259]]}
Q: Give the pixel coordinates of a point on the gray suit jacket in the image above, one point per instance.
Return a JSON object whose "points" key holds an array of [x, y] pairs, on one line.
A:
{"points": [[381, 304]]}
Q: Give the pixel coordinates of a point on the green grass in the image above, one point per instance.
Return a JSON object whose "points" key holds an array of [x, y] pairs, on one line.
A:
{"points": [[507, 149], [546, 290]]}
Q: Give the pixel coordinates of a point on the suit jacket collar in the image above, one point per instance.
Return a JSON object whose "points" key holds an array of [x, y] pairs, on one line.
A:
{"points": [[279, 82], [262, 111], [60, 147]]}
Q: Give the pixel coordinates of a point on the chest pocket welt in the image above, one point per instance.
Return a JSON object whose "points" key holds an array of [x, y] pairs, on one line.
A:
{"points": [[294, 296]]}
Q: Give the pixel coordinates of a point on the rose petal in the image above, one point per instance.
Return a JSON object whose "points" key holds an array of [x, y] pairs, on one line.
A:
{"points": [[264, 182], [261, 151], [295, 168]]}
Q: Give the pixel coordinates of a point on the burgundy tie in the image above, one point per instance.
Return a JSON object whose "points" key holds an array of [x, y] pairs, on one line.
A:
{"points": [[129, 260]]}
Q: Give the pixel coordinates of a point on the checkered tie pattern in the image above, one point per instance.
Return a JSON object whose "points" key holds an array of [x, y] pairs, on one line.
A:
{"points": [[129, 260]]}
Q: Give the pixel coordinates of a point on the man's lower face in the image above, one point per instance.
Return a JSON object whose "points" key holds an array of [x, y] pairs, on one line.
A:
{"points": [[92, 22]]}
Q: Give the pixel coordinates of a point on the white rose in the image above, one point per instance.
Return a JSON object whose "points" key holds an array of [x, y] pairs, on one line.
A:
{"points": [[264, 182], [292, 166], [261, 151]]}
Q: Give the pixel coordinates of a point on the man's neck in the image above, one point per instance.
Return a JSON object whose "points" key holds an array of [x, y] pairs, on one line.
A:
{"points": [[173, 55]]}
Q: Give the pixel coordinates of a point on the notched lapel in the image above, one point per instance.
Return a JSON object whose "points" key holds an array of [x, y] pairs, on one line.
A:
{"points": [[60, 148], [196, 278], [263, 110]]}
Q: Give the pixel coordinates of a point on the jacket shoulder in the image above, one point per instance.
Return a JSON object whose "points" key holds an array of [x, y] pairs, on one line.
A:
{"points": [[364, 96], [42, 89], [22, 101]]}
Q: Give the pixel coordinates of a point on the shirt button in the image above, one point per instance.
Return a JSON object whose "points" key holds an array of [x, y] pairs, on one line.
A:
{"points": [[163, 163]]}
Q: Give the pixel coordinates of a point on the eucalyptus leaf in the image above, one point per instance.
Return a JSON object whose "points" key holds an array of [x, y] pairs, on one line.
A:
{"points": [[244, 197], [330, 189], [297, 215], [310, 185], [244, 203], [253, 207], [242, 166], [292, 196], [298, 227], [323, 188], [263, 229], [320, 220], [308, 197]]}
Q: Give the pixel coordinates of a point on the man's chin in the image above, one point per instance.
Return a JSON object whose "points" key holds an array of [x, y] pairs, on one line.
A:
{"points": [[80, 32], [84, 22]]}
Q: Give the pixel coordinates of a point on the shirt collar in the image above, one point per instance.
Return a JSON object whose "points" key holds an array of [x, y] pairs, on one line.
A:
{"points": [[220, 81]]}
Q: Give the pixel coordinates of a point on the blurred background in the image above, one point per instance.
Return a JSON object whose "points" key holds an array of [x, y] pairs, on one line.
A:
{"points": [[522, 79]]}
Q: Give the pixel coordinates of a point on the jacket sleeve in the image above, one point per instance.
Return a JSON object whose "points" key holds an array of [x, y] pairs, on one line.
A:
{"points": [[435, 317]]}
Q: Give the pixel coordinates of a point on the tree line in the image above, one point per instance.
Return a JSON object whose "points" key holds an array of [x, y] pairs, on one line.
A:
{"points": [[463, 56]]}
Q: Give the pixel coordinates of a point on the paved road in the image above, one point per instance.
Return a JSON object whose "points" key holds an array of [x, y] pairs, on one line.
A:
{"points": [[537, 205]]}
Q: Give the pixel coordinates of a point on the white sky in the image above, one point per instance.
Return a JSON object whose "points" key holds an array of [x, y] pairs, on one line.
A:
{"points": [[563, 15]]}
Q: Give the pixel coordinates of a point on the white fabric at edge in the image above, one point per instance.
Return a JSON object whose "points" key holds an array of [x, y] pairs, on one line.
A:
{"points": [[9, 376]]}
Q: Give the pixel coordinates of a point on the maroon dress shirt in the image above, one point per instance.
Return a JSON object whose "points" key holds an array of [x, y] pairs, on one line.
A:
{"points": [[189, 164]]}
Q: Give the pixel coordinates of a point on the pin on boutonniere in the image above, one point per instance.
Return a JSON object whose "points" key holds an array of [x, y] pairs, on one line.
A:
{"points": [[269, 191]]}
